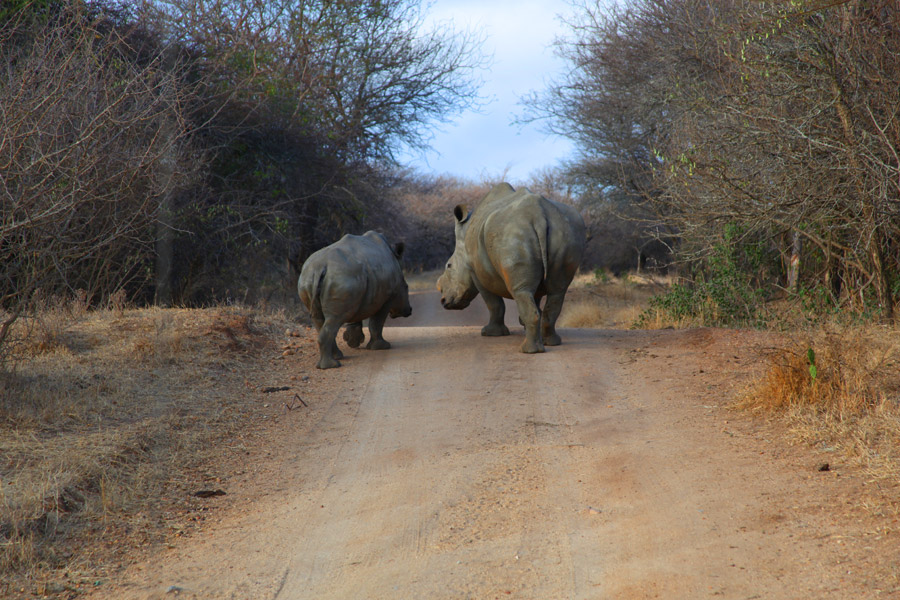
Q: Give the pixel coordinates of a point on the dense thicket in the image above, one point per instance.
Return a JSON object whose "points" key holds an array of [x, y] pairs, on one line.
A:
{"points": [[92, 141], [306, 101], [760, 131], [184, 150]]}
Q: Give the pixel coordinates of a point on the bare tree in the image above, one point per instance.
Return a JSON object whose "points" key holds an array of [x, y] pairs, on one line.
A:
{"points": [[369, 75], [307, 101], [778, 118], [91, 139]]}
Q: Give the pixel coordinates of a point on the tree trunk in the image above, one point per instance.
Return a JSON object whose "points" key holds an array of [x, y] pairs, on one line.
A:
{"points": [[875, 241], [834, 279], [165, 231], [885, 298], [165, 239], [793, 272]]}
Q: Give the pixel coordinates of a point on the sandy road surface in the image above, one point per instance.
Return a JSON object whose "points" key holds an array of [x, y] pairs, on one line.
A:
{"points": [[452, 466]]}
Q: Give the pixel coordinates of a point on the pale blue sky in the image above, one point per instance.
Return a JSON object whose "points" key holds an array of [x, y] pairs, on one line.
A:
{"points": [[480, 144]]}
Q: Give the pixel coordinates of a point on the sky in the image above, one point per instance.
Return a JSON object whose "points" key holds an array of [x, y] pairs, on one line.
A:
{"points": [[484, 144]]}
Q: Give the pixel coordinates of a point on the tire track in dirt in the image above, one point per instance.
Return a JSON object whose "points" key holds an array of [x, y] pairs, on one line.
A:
{"points": [[444, 475]]}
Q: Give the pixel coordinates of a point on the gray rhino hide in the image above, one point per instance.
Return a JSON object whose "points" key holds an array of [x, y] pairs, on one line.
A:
{"points": [[515, 245], [355, 278]]}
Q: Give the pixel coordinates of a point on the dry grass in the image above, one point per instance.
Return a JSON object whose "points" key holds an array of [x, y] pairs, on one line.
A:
{"points": [[654, 318], [103, 413], [582, 314], [599, 300], [423, 281], [593, 301], [849, 404]]}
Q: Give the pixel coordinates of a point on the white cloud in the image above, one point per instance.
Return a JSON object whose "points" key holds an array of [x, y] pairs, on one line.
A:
{"points": [[519, 36]]}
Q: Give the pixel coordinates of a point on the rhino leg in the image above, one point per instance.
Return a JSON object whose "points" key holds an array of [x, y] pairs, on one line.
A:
{"points": [[552, 308], [530, 315], [336, 353], [376, 327], [497, 310], [353, 334], [328, 350]]}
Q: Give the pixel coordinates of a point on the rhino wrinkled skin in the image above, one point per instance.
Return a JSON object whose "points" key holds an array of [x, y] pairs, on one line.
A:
{"points": [[517, 245], [358, 277]]}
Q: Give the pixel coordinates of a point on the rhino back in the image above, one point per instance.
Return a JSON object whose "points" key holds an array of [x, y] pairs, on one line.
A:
{"points": [[518, 238], [350, 279]]}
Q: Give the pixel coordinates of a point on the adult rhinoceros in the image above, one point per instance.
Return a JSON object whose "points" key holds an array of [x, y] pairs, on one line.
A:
{"points": [[515, 245], [358, 277]]}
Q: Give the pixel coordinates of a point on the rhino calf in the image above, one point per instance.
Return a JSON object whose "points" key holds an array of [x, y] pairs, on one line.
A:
{"points": [[515, 245], [358, 277]]}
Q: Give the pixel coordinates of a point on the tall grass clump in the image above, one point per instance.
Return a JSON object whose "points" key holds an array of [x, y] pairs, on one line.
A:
{"points": [[599, 299], [839, 389]]}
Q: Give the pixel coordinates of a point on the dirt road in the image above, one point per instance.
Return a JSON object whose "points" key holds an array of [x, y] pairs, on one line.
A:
{"points": [[453, 466]]}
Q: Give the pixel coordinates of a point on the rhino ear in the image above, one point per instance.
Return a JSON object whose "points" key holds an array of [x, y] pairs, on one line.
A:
{"points": [[461, 213], [399, 247]]}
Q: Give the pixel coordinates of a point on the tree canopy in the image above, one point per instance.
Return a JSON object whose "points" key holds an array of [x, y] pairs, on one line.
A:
{"points": [[776, 120], [182, 149]]}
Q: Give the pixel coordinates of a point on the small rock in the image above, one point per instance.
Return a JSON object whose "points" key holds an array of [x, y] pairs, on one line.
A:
{"points": [[209, 493], [824, 467], [174, 589], [287, 352]]}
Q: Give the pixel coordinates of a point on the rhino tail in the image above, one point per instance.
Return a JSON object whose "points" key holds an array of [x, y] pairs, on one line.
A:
{"points": [[541, 234], [316, 308]]}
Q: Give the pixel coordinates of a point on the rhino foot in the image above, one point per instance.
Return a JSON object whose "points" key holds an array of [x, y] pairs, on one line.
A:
{"points": [[494, 330], [353, 335], [532, 347], [552, 340], [378, 345], [327, 363]]}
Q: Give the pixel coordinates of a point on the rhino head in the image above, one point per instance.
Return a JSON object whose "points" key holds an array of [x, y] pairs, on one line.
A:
{"points": [[398, 304], [456, 284]]}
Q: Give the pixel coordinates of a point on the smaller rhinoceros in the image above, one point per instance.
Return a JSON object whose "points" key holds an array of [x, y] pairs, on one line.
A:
{"points": [[515, 245], [358, 277]]}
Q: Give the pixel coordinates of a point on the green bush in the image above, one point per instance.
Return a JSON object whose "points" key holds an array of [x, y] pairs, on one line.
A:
{"points": [[724, 289]]}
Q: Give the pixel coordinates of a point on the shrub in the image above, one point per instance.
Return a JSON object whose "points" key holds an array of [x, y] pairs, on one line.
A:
{"points": [[723, 292]]}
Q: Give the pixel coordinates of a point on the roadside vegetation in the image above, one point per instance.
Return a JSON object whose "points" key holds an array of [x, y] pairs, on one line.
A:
{"points": [[838, 388], [759, 141], [601, 300], [107, 426]]}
